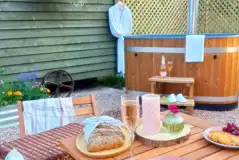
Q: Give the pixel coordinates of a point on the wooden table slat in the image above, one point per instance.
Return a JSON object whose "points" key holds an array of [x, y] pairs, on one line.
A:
{"points": [[161, 150], [187, 149], [138, 150], [222, 155], [137, 144], [236, 157], [66, 144], [194, 130], [196, 121], [202, 153]]}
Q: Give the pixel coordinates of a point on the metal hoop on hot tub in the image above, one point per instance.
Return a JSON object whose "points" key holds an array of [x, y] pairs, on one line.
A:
{"points": [[178, 50]]}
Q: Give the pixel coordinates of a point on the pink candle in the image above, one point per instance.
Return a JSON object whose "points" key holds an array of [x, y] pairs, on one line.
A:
{"points": [[151, 113]]}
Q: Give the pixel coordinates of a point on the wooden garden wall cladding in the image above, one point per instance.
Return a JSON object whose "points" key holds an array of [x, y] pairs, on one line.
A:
{"points": [[54, 34]]}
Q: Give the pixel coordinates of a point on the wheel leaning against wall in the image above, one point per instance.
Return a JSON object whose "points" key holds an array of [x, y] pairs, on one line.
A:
{"points": [[58, 78]]}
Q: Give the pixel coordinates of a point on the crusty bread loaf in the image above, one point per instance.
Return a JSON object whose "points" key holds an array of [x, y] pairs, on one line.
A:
{"points": [[105, 137]]}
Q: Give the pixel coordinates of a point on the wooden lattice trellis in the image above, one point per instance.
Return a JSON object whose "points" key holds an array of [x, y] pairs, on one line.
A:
{"points": [[218, 16], [158, 16]]}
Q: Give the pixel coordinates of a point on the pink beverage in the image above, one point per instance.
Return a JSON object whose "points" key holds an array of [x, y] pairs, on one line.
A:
{"points": [[130, 116], [170, 67], [162, 69], [130, 112]]}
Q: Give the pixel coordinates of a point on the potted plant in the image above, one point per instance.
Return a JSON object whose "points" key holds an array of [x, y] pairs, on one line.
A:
{"points": [[26, 88]]}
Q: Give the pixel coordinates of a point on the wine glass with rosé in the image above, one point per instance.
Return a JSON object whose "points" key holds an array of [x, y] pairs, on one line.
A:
{"points": [[170, 67], [130, 115]]}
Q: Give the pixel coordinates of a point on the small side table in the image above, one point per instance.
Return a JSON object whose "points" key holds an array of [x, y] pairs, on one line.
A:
{"points": [[177, 80]]}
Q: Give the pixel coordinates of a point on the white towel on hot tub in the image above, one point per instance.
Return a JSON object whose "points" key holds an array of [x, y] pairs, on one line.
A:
{"points": [[194, 48]]}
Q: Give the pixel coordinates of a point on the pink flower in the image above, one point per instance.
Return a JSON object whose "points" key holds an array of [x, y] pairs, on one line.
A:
{"points": [[174, 110], [172, 107]]}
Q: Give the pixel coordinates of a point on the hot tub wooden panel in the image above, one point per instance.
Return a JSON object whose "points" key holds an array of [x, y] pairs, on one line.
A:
{"points": [[217, 77]]}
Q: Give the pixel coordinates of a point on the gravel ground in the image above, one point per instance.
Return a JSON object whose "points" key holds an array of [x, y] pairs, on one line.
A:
{"points": [[108, 101]]}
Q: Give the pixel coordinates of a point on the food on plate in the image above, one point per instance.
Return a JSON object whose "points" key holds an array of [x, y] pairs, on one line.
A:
{"points": [[224, 138], [232, 129], [173, 122], [105, 137]]}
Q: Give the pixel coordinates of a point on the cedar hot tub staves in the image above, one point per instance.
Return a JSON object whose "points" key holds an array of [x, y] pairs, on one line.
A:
{"points": [[216, 78]]}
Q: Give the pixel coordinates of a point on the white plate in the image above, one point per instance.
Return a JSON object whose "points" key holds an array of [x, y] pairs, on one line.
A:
{"points": [[206, 133]]}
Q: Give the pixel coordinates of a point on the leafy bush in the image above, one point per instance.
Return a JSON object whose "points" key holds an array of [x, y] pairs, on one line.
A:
{"points": [[113, 81], [26, 88]]}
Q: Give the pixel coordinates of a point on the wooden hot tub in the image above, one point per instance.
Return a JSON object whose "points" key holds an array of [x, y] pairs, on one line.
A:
{"points": [[216, 78]]}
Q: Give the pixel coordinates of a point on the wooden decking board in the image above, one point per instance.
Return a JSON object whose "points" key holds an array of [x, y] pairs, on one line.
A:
{"points": [[201, 153]]}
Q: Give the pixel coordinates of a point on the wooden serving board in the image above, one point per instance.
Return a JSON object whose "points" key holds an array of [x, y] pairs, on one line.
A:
{"points": [[163, 139], [81, 145]]}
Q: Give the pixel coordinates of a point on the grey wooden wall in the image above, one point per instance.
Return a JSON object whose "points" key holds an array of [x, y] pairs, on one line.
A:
{"points": [[54, 34]]}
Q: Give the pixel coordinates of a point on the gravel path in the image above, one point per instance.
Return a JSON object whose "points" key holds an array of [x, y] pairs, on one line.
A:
{"points": [[108, 100]]}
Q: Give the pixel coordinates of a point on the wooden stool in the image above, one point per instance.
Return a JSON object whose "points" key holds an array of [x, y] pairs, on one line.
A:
{"points": [[178, 80]]}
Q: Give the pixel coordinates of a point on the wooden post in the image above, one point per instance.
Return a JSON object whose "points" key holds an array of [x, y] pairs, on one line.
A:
{"points": [[94, 107], [190, 110], [21, 119], [153, 84], [191, 90]]}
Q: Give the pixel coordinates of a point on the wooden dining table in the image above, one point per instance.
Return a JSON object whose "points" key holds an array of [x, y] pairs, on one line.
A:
{"points": [[195, 148], [42, 146]]}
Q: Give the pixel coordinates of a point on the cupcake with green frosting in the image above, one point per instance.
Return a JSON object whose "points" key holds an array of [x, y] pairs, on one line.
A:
{"points": [[173, 122]]}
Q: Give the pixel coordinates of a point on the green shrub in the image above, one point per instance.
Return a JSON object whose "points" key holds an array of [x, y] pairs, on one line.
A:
{"points": [[113, 81]]}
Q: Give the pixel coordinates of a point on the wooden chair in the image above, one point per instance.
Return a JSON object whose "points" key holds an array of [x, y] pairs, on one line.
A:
{"points": [[76, 101]]}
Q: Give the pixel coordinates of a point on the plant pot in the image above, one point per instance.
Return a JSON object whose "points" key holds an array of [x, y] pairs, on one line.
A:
{"points": [[9, 116]]}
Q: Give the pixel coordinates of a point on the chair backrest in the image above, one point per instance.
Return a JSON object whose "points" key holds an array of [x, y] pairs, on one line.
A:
{"points": [[76, 101]]}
